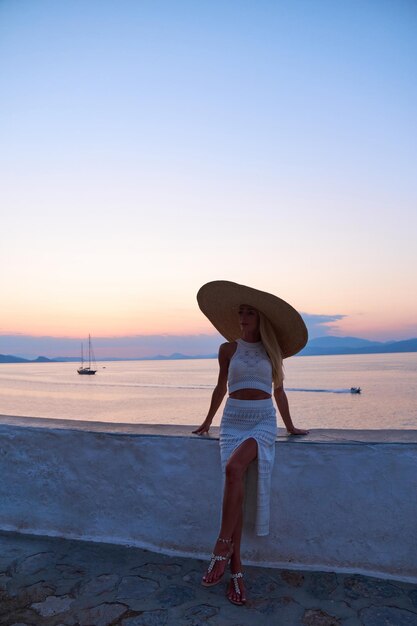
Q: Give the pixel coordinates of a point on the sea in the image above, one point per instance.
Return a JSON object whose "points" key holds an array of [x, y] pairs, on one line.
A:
{"points": [[179, 391]]}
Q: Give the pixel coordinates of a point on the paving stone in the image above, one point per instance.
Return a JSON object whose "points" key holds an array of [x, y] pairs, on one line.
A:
{"points": [[321, 584], [11, 590], [71, 571], [284, 610], [18, 612], [173, 595], [10, 549], [4, 592], [317, 617], [262, 584], [37, 592], [25, 617], [9, 606], [6, 559], [166, 569], [53, 605], [194, 576], [4, 579], [136, 587], [340, 609], [264, 605], [67, 587], [148, 618], [101, 615], [99, 584], [387, 616], [34, 564], [200, 613], [352, 621], [362, 587], [46, 582], [294, 579]]}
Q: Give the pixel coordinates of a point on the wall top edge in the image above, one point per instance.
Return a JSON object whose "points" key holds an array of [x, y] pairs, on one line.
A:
{"points": [[319, 435]]}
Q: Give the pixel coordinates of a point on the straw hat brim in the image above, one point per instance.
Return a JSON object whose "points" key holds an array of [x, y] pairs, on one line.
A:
{"points": [[220, 300]]}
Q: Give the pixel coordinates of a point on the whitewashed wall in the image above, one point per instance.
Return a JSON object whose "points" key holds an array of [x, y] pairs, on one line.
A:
{"points": [[341, 500]]}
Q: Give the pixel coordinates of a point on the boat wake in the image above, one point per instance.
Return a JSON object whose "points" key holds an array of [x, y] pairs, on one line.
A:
{"points": [[152, 385], [210, 387], [350, 390]]}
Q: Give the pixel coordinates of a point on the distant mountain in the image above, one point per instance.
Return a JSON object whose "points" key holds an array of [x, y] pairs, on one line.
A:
{"points": [[9, 358], [176, 356], [157, 357], [408, 345], [315, 347], [354, 345], [346, 342]]}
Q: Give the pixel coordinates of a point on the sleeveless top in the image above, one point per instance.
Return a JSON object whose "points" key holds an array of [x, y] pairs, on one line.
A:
{"points": [[250, 367]]}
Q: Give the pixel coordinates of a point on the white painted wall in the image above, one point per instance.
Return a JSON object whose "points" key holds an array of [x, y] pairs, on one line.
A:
{"points": [[341, 500]]}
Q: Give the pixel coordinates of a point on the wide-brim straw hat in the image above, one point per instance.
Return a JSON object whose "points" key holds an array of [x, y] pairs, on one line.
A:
{"points": [[220, 301]]}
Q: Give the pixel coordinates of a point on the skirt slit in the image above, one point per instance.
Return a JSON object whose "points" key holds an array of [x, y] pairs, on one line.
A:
{"points": [[252, 419]]}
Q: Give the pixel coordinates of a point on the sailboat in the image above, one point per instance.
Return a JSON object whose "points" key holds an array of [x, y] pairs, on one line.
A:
{"points": [[84, 370]]}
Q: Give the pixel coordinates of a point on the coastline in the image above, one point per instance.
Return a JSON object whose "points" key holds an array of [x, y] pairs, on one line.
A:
{"points": [[308, 351]]}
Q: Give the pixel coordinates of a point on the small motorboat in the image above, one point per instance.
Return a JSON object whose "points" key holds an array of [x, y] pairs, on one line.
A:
{"points": [[355, 390]]}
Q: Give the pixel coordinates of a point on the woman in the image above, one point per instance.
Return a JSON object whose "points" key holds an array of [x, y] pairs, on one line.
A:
{"points": [[261, 330]]}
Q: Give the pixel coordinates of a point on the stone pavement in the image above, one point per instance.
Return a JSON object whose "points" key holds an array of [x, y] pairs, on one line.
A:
{"points": [[57, 582]]}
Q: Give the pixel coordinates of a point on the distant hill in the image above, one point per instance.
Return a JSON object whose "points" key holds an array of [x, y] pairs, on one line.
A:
{"points": [[176, 356], [408, 345], [315, 347], [9, 358], [353, 345], [157, 357], [347, 342]]}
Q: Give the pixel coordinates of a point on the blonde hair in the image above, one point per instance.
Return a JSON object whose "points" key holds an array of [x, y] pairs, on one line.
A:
{"points": [[271, 345]]}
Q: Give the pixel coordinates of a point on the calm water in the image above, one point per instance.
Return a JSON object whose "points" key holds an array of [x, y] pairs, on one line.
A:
{"points": [[167, 392]]}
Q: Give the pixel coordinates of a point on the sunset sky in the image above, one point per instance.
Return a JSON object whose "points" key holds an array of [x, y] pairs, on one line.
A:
{"points": [[151, 146]]}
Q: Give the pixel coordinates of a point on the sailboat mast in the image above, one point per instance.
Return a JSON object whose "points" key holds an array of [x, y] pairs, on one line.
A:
{"points": [[87, 370]]}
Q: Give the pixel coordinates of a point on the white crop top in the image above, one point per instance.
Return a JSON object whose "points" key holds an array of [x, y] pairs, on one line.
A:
{"points": [[250, 367]]}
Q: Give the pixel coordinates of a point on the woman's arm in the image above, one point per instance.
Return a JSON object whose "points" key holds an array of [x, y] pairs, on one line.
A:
{"points": [[284, 409], [219, 390]]}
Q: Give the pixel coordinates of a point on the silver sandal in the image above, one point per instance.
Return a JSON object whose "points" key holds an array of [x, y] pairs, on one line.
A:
{"points": [[234, 580], [217, 558]]}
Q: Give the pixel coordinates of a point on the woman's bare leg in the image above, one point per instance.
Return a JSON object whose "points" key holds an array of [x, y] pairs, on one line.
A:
{"points": [[231, 527], [236, 563]]}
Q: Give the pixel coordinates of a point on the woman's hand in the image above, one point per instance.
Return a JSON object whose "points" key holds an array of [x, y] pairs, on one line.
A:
{"points": [[203, 429], [297, 431]]}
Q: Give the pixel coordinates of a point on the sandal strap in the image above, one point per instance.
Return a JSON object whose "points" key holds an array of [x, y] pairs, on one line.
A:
{"points": [[234, 578], [214, 558]]}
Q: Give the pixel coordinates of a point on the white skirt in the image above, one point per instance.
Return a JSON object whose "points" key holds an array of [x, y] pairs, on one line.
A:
{"points": [[252, 419]]}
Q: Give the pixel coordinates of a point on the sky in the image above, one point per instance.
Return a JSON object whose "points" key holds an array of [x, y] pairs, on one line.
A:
{"points": [[150, 146]]}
